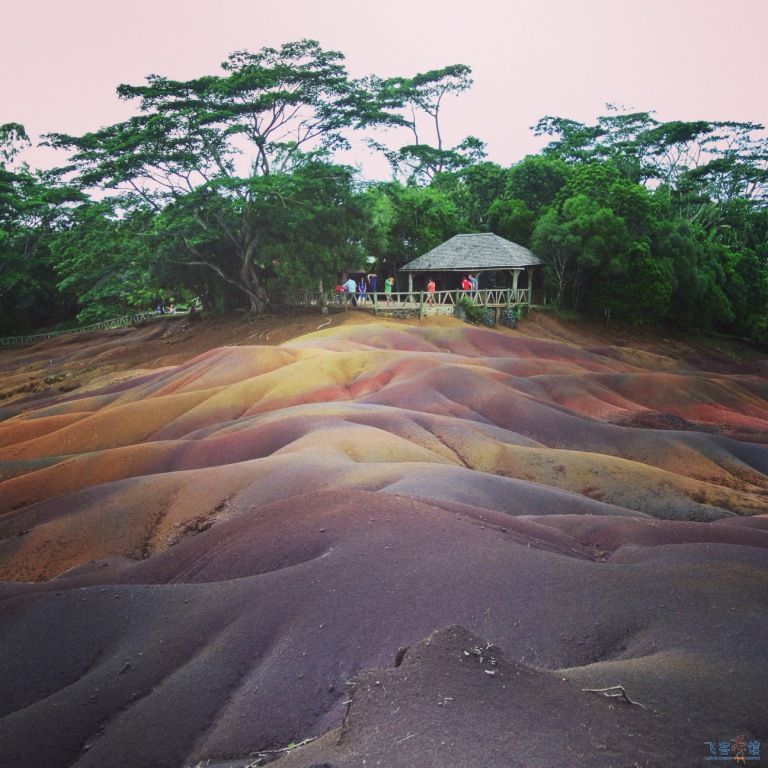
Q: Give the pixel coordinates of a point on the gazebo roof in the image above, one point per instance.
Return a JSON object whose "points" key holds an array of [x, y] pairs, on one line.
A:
{"points": [[467, 253]]}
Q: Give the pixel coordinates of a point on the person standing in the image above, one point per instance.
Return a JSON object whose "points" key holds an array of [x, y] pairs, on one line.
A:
{"points": [[373, 281], [361, 290], [388, 285], [473, 282], [350, 286], [466, 285], [431, 291]]}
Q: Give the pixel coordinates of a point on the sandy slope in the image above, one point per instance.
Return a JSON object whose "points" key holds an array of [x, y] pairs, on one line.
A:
{"points": [[206, 542]]}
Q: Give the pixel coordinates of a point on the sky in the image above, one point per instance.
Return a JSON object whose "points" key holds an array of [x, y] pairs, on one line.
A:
{"points": [[61, 60]]}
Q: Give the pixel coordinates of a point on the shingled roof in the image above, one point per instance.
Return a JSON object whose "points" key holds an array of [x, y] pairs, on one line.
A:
{"points": [[464, 253]]}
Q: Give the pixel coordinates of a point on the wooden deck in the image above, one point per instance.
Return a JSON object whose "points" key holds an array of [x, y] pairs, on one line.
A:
{"points": [[418, 303]]}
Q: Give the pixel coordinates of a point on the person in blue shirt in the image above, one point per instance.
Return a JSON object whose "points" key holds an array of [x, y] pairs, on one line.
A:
{"points": [[350, 286]]}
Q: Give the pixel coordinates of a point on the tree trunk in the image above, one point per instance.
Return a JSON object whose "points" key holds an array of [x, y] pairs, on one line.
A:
{"points": [[250, 282], [256, 293]]}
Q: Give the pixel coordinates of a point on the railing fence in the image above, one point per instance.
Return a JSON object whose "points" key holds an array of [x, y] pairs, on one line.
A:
{"points": [[103, 325], [383, 302]]}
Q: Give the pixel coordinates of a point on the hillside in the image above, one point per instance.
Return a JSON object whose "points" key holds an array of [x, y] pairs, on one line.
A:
{"points": [[428, 544]]}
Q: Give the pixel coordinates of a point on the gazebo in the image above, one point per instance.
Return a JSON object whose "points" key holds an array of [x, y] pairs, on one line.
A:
{"points": [[478, 254]]}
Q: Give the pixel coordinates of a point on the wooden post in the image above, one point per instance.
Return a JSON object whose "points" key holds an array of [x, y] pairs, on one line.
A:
{"points": [[421, 304], [375, 304]]}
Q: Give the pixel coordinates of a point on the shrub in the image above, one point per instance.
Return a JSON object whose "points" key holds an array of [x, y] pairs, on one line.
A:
{"points": [[467, 310]]}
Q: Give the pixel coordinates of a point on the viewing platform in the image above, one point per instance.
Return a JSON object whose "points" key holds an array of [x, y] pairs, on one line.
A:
{"points": [[415, 303]]}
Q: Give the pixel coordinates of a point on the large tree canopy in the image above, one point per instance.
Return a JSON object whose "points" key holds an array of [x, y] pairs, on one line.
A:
{"points": [[206, 150], [264, 111], [416, 104]]}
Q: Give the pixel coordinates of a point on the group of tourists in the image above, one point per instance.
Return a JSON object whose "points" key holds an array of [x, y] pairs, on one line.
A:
{"points": [[469, 283], [358, 292]]}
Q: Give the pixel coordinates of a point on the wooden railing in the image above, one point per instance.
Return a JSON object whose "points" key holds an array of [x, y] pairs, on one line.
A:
{"points": [[104, 325], [382, 302], [301, 298], [429, 302]]}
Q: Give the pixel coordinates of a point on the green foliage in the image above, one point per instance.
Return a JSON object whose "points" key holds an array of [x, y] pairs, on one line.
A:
{"points": [[473, 190], [697, 299], [412, 103], [557, 246], [410, 221], [537, 181], [13, 138], [33, 209], [292, 218], [105, 261], [310, 226], [512, 219], [280, 103], [314, 227], [471, 312], [288, 107], [600, 259]]}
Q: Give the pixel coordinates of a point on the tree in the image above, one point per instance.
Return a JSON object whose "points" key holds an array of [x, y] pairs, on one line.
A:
{"points": [[412, 102], [310, 223], [537, 181], [600, 259], [33, 208], [474, 190], [512, 219], [573, 142], [106, 259], [283, 106], [555, 243], [409, 221]]}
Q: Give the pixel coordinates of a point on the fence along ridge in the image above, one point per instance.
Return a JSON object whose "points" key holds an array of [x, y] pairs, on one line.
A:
{"points": [[103, 325]]}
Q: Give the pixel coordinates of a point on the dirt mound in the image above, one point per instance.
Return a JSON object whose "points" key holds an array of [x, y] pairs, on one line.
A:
{"points": [[457, 700]]}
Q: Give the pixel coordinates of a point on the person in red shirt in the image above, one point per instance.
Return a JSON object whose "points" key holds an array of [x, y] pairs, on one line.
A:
{"points": [[430, 291], [466, 285]]}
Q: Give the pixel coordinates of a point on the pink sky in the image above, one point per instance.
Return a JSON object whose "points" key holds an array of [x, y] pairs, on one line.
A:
{"points": [[61, 60]]}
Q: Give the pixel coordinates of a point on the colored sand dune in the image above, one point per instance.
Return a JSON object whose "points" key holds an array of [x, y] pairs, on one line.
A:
{"points": [[218, 558]]}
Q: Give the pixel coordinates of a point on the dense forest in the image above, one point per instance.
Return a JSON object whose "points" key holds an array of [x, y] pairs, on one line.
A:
{"points": [[226, 187]]}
